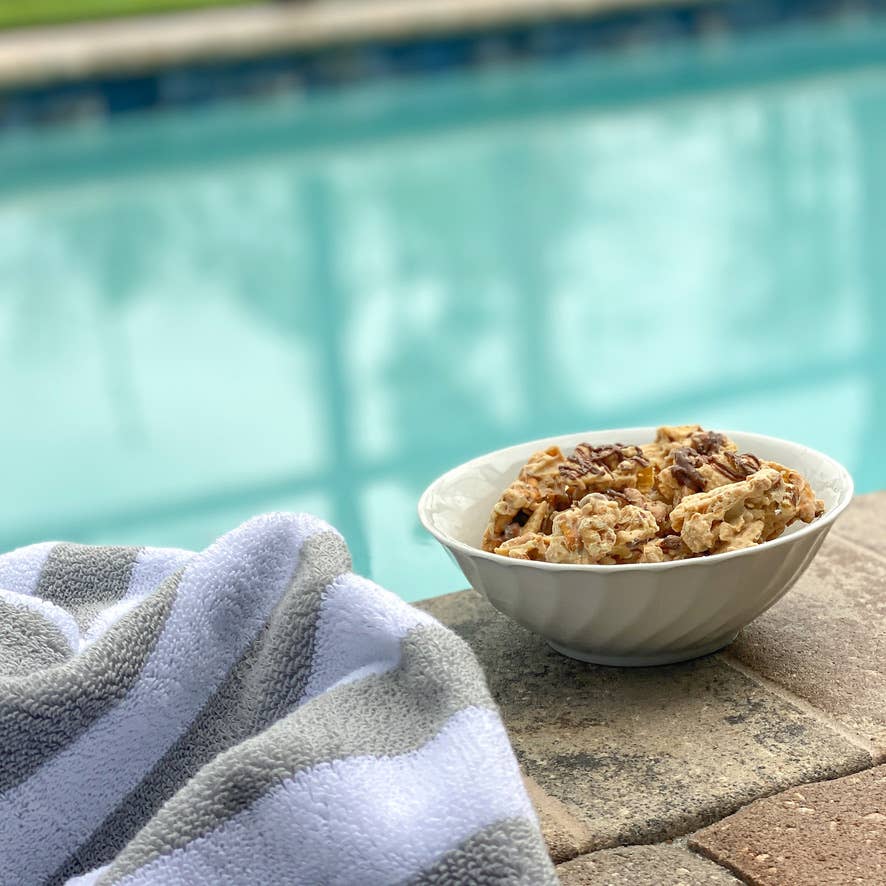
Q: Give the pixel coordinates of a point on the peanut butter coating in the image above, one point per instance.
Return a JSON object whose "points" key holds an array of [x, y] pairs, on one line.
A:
{"points": [[688, 493]]}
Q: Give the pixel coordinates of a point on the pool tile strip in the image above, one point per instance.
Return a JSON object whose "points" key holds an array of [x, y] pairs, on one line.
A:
{"points": [[715, 748], [75, 51], [86, 72]]}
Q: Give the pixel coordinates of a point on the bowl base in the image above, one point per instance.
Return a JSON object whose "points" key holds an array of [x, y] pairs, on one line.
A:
{"points": [[644, 661]]}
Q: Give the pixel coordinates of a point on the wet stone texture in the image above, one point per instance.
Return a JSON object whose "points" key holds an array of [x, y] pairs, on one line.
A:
{"points": [[642, 755], [833, 832], [644, 866]]}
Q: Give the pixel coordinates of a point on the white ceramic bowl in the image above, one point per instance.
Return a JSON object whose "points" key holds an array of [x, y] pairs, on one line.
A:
{"points": [[635, 614]]}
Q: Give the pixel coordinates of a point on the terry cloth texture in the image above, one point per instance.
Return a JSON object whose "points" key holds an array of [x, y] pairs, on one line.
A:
{"points": [[252, 714]]}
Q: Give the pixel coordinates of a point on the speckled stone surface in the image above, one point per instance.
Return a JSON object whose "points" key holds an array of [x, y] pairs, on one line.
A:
{"points": [[826, 640], [642, 755], [831, 833], [864, 522], [644, 866]]}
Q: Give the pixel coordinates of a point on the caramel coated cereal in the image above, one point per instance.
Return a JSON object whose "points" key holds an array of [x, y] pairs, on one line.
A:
{"points": [[688, 493]]}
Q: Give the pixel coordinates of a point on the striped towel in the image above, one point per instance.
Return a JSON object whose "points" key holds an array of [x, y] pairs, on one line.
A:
{"points": [[253, 714]]}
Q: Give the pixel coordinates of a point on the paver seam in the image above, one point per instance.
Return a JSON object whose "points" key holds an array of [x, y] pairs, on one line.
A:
{"points": [[684, 843], [557, 821], [682, 838], [722, 856], [741, 876], [876, 755], [737, 874], [684, 831], [681, 842]]}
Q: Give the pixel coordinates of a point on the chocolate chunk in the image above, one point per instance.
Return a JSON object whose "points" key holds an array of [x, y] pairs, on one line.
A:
{"points": [[736, 467], [708, 442], [685, 472], [598, 460]]}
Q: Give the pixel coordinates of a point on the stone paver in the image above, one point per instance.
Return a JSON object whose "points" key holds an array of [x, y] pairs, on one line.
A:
{"points": [[565, 835], [644, 866], [864, 522], [825, 640], [641, 755], [832, 833]]}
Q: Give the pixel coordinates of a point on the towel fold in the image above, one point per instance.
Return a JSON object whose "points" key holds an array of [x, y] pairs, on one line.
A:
{"points": [[252, 714]]}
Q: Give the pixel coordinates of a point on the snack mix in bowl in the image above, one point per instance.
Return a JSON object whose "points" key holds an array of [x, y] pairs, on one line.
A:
{"points": [[689, 493]]}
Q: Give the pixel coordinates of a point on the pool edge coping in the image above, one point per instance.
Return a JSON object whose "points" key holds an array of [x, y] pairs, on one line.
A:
{"points": [[41, 56]]}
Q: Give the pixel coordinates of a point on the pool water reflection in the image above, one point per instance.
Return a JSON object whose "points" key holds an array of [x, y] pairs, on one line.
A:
{"points": [[186, 343]]}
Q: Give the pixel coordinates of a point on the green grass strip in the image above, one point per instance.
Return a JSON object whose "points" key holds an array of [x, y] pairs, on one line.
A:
{"points": [[20, 13]]}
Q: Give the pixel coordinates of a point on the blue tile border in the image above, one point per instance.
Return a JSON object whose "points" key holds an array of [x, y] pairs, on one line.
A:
{"points": [[324, 70]]}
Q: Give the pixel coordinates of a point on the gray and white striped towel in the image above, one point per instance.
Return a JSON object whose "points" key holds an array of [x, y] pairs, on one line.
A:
{"points": [[252, 714]]}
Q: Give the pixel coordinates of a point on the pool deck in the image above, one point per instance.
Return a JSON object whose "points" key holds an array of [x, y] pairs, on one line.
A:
{"points": [[36, 56], [763, 761]]}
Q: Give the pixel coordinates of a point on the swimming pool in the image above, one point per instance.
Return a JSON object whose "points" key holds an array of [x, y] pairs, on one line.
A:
{"points": [[320, 305]]}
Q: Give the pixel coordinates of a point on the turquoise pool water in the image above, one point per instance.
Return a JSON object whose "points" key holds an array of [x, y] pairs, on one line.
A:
{"points": [[322, 305]]}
